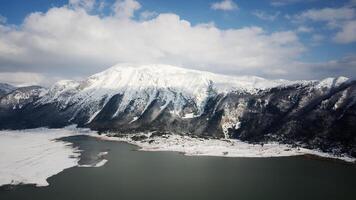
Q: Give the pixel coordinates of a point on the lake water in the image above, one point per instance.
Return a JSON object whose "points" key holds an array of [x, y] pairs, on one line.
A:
{"points": [[130, 174]]}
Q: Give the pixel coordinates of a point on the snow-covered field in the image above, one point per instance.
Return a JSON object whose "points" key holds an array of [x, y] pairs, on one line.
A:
{"points": [[215, 147], [31, 156]]}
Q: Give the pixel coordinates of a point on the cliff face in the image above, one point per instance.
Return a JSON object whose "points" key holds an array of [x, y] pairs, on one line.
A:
{"points": [[315, 114]]}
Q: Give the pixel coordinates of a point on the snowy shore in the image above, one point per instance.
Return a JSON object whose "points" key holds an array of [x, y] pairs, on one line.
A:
{"points": [[215, 147]]}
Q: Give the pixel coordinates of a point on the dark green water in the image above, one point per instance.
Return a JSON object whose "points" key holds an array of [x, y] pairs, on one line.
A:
{"points": [[131, 175]]}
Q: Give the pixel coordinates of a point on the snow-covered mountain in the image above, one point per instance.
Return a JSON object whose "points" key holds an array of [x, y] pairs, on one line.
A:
{"points": [[6, 88], [130, 98], [141, 85], [19, 97]]}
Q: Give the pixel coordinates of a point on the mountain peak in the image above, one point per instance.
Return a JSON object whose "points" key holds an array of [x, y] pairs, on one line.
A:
{"points": [[168, 76]]}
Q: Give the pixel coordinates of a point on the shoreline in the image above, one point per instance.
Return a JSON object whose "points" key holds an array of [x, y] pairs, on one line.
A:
{"points": [[189, 146]]}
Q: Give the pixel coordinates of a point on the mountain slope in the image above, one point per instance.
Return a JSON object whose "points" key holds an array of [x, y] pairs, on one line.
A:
{"points": [[126, 98], [5, 88], [147, 83]]}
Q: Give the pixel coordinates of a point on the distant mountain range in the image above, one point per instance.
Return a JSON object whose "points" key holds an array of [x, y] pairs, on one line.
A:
{"points": [[127, 98]]}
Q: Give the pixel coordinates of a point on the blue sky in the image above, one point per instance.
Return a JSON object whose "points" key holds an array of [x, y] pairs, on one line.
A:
{"points": [[319, 33]]}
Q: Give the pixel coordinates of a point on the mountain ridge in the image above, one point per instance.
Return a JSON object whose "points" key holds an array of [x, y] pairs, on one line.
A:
{"points": [[125, 98]]}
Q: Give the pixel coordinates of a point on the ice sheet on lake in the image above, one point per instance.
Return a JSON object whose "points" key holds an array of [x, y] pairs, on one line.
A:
{"points": [[31, 156], [100, 161]]}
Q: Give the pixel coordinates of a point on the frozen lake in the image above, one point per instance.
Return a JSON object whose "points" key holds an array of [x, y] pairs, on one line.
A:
{"points": [[131, 174]]}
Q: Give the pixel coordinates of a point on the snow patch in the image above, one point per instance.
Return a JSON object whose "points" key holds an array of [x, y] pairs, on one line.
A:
{"points": [[101, 163], [341, 100], [189, 116], [331, 82], [133, 120], [237, 125]]}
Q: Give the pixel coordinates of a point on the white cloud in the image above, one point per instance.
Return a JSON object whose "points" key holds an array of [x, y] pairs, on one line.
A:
{"points": [[316, 39], [101, 5], [304, 29], [225, 5], [287, 2], [266, 16], [3, 19], [85, 4], [145, 15], [340, 20], [70, 42], [347, 33], [125, 8], [67, 42], [282, 2], [22, 78], [327, 14], [352, 3], [345, 66]]}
